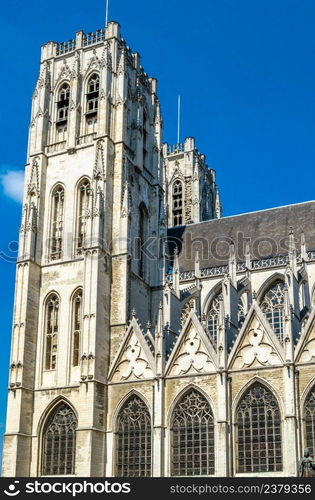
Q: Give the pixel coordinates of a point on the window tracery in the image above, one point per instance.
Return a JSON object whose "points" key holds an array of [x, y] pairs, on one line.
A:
{"points": [[258, 431], [192, 429], [59, 442], [272, 306], [133, 439]]}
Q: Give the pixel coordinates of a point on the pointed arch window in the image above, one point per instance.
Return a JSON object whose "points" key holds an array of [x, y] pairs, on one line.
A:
{"points": [[93, 89], [59, 442], [192, 435], [57, 222], [76, 327], [133, 439], [258, 432], [82, 204], [63, 104], [213, 317], [309, 421], [272, 306], [51, 331], [177, 207], [62, 111]]}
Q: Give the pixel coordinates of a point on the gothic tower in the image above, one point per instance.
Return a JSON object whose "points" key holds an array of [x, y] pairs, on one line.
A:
{"points": [[190, 185], [93, 197]]}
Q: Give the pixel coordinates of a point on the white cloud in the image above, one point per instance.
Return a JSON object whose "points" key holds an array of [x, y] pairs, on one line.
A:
{"points": [[12, 182]]}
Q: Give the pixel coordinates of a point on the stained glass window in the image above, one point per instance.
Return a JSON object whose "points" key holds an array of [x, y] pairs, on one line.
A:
{"points": [[192, 431]]}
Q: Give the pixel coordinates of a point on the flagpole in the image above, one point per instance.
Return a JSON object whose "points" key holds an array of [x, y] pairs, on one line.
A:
{"points": [[178, 119], [106, 15]]}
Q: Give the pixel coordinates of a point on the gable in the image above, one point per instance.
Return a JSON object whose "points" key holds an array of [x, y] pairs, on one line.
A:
{"points": [[192, 354], [256, 347], [134, 360], [305, 349]]}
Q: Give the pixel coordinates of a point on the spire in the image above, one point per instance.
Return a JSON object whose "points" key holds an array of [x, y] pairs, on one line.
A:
{"points": [[176, 272], [303, 248], [218, 206], [159, 341], [292, 253], [197, 265], [232, 264], [247, 256]]}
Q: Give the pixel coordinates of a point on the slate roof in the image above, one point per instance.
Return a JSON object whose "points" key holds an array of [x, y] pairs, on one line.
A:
{"points": [[267, 232]]}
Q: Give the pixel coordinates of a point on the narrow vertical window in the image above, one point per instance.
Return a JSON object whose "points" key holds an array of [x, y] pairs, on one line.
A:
{"points": [[57, 223], [76, 327], [192, 433], [133, 439], [258, 432], [92, 98], [272, 306], [59, 442], [177, 203], [83, 201], [309, 421], [62, 111], [213, 318], [51, 331]]}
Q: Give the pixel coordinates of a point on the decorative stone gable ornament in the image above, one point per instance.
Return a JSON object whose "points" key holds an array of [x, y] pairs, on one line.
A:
{"points": [[99, 169], [257, 349], [133, 362], [33, 185], [192, 356], [308, 353]]}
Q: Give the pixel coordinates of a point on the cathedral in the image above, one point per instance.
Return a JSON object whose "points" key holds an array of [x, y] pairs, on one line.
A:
{"points": [[151, 336]]}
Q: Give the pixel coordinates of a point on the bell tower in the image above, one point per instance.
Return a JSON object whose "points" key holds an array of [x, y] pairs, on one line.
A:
{"points": [[93, 200]]}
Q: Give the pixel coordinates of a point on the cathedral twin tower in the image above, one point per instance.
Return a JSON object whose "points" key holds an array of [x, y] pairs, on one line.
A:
{"points": [[128, 359]]}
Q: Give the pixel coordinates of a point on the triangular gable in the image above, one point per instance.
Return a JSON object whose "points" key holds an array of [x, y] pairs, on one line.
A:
{"points": [[134, 360], [305, 348], [256, 344], [193, 352]]}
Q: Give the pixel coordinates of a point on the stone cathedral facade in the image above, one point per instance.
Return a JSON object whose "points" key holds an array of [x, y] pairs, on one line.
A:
{"points": [[151, 337]]}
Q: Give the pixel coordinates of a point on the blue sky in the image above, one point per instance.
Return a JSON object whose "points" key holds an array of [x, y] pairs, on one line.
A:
{"points": [[244, 69]]}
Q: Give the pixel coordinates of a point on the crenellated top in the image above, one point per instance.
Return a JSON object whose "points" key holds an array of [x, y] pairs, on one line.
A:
{"points": [[82, 40]]}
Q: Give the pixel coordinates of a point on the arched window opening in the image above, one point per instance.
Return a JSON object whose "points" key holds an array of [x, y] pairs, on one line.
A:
{"points": [[258, 432], [62, 110], [51, 332], [76, 327], [192, 433], [59, 442], [177, 203], [133, 439], [57, 223], [272, 306], [83, 203], [213, 318], [309, 421], [92, 97]]}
